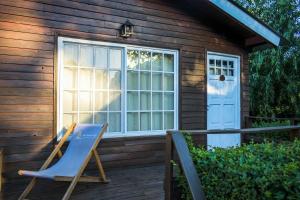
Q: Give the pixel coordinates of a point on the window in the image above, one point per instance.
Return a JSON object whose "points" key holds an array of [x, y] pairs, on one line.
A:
{"points": [[224, 66], [132, 88]]}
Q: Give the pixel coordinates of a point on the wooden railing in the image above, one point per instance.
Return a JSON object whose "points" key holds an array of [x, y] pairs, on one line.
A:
{"points": [[175, 142]]}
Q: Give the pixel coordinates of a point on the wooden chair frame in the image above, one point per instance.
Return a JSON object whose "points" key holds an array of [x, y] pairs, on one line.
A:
{"points": [[78, 178]]}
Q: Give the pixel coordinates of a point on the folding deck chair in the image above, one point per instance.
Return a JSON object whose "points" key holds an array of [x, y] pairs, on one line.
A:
{"points": [[83, 144]]}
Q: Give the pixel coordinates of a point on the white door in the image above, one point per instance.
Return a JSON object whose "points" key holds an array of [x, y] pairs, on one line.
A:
{"points": [[223, 98]]}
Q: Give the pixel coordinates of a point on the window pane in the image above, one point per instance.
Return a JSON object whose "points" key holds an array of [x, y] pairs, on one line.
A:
{"points": [[70, 54], [70, 101], [85, 79], [132, 80], [101, 101], [157, 81], [133, 59], [157, 121], [85, 101], [115, 80], [132, 100], [169, 62], [86, 118], [114, 101], [145, 100], [100, 118], [101, 79], [169, 120], [157, 62], [145, 63], [68, 119], [115, 122], [86, 56], [145, 80], [115, 58], [211, 62], [168, 82], [168, 101], [145, 121], [70, 78], [218, 63], [156, 101], [101, 57], [132, 121]]}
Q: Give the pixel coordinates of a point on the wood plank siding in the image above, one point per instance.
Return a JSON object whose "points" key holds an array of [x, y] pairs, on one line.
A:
{"points": [[28, 37]]}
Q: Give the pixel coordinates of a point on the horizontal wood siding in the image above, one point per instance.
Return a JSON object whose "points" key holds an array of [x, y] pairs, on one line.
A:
{"points": [[28, 33]]}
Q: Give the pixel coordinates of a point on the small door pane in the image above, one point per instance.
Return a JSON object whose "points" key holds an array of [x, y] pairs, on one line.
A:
{"points": [[157, 61], [218, 63], [169, 101], [145, 100], [86, 118], [100, 117], [145, 62], [169, 120], [212, 71], [145, 80], [70, 101], [101, 57], [133, 121], [157, 121], [157, 81], [114, 122], [86, 56], [115, 80], [211, 62], [132, 59], [225, 63], [70, 54], [145, 121], [101, 77], [85, 101], [115, 58], [218, 71], [70, 78], [169, 62], [101, 101], [168, 82], [85, 79], [156, 101], [132, 80], [132, 101], [114, 101], [230, 64]]}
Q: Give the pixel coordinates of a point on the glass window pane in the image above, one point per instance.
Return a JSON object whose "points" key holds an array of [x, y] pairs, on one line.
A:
{"points": [[157, 64], [157, 81], [115, 80], [101, 79], [100, 117], [145, 63], [157, 121], [218, 63], [70, 54], [145, 121], [225, 63], [169, 62], [231, 64], [85, 101], [145, 100], [86, 118], [70, 78], [133, 121], [101, 101], [86, 56], [169, 120], [212, 71], [218, 71], [231, 73], [70, 101], [145, 80], [114, 101], [101, 57], [156, 101], [132, 80], [115, 58], [225, 72], [68, 119], [132, 100], [211, 62], [85, 79], [114, 122], [168, 101], [133, 59], [169, 82]]}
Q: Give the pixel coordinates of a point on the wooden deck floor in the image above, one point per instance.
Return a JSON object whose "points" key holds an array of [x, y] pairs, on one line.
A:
{"points": [[134, 183]]}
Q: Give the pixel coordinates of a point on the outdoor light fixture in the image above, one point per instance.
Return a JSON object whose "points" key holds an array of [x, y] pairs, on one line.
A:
{"points": [[127, 29]]}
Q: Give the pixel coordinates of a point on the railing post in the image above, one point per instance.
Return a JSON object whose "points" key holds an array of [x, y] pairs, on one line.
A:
{"points": [[169, 167]]}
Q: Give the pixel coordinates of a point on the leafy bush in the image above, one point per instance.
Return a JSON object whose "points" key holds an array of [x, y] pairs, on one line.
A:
{"points": [[250, 172]]}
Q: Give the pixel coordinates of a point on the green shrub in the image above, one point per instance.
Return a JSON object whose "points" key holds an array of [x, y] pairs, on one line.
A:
{"points": [[250, 172]]}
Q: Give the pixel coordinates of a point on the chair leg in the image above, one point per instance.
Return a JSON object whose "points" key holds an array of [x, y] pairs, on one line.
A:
{"points": [[100, 167], [27, 189]]}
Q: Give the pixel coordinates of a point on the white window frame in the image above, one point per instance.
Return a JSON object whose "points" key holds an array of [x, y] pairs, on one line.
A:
{"points": [[125, 47]]}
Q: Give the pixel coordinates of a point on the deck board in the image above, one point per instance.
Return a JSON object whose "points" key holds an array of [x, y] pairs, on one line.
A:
{"points": [[134, 183]]}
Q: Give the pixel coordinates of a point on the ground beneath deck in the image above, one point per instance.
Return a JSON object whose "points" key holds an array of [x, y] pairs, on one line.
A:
{"points": [[134, 183]]}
